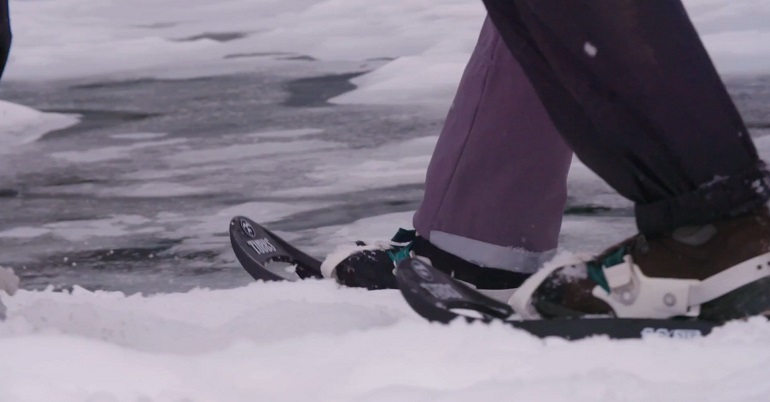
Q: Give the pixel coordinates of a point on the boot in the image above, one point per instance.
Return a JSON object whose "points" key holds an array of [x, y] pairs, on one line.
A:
{"points": [[372, 266], [715, 272]]}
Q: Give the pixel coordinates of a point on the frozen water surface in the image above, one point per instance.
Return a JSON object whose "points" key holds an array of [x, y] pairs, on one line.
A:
{"points": [[148, 124]]}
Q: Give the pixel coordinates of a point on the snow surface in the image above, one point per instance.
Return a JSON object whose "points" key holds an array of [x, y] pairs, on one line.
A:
{"points": [[314, 341]]}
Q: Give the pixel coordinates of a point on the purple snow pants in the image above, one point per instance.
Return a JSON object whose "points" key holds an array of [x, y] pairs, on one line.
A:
{"points": [[496, 185]]}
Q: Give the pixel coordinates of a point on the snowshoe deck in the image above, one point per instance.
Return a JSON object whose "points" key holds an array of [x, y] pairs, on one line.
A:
{"points": [[438, 297], [268, 257]]}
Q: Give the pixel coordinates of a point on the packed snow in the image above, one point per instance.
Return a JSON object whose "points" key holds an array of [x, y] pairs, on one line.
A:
{"points": [[313, 341]]}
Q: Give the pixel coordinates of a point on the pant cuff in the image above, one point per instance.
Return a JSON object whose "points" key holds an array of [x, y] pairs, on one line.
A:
{"points": [[721, 198]]}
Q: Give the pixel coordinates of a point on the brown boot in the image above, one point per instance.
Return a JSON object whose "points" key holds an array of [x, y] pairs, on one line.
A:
{"points": [[715, 272]]}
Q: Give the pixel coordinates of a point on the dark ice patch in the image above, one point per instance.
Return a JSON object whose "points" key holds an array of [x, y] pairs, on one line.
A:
{"points": [[300, 58], [133, 83], [254, 54], [316, 91], [8, 193], [96, 120], [215, 36], [157, 25]]}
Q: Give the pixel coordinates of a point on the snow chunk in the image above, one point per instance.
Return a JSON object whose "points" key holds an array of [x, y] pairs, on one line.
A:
{"points": [[590, 49], [22, 125]]}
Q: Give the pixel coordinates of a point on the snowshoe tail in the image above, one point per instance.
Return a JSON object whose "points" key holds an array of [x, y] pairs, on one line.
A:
{"points": [[433, 294], [266, 256], [438, 297]]}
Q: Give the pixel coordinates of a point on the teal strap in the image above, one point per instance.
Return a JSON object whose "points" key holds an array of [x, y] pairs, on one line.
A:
{"points": [[596, 273], [400, 254], [596, 268]]}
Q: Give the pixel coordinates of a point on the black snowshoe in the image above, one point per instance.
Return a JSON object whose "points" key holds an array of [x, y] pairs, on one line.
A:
{"points": [[438, 297]]}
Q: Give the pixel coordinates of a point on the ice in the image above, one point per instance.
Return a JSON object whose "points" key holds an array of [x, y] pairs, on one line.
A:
{"points": [[138, 136], [735, 33], [80, 230], [428, 42], [257, 211], [22, 125], [585, 188], [392, 164], [410, 79], [201, 38], [155, 189], [244, 151], [24, 232], [209, 231], [113, 152], [283, 134], [369, 230]]}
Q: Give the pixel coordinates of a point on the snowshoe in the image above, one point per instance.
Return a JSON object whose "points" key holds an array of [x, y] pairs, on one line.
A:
{"points": [[438, 297], [268, 257]]}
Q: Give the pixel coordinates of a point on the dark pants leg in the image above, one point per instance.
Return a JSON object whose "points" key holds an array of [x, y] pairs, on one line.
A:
{"points": [[632, 90], [5, 34]]}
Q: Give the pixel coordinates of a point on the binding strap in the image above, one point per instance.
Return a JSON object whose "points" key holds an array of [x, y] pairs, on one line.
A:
{"points": [[631, 294]]}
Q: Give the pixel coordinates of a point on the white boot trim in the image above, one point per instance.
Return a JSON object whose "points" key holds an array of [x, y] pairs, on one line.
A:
{"points": [[521, 301], [329, 265]]}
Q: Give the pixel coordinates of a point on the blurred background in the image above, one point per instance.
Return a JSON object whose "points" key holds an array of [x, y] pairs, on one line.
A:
{"points": [[131, 132]]}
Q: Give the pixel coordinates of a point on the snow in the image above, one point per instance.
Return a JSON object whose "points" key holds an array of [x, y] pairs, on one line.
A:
{"points": [[590, 49], [315, 341], [22, 125]]}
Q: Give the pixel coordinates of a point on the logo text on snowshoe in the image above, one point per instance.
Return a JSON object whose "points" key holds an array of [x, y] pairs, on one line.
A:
{"points": [[441, 291], [261, 246], [672, 333], [247, 228], [422, 271]]}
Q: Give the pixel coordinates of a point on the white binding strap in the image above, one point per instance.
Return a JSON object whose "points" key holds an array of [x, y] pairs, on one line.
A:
{"points": [[521, 300], [635, 295], [730, 279]]}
